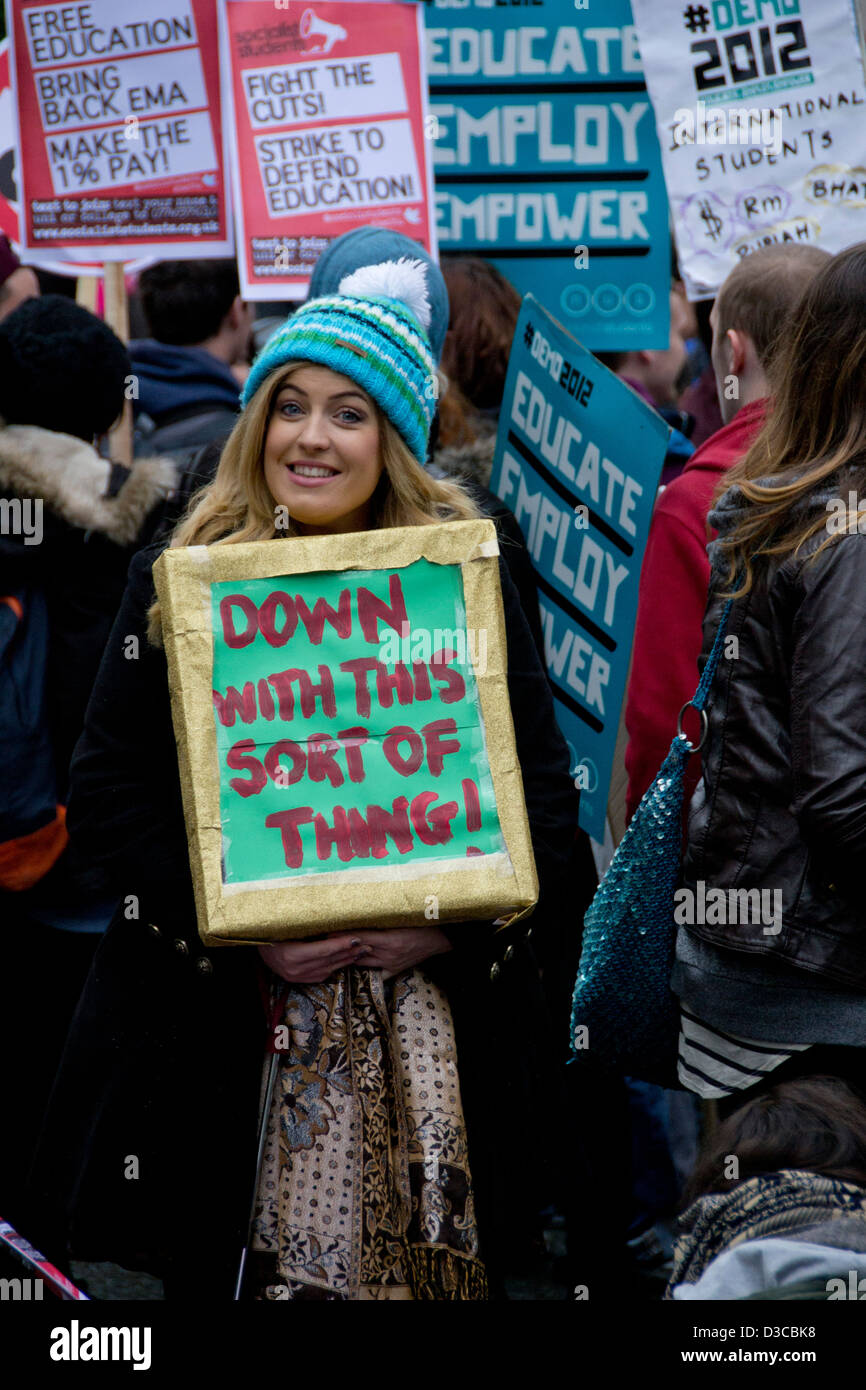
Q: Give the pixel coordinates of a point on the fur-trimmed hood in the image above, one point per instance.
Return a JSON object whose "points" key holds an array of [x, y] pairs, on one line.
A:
{"points": [[74, 481], [470, 461]]}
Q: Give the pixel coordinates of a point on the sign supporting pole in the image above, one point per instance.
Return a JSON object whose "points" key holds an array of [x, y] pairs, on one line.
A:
{"points": [[85, 291], [117, 317]]}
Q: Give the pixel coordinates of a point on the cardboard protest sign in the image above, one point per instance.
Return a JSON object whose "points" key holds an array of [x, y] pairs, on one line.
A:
{"points": [[327, 104], [344, 732], [547, 160], [760, 110], [9, 205], [119, 129], [578, 459]]}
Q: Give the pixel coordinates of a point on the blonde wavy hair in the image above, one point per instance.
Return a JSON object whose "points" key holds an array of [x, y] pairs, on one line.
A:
{"points": [[237, 506]]}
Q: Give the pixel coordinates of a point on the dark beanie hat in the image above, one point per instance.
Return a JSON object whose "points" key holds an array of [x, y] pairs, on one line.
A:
{"points": [[61, 368]]}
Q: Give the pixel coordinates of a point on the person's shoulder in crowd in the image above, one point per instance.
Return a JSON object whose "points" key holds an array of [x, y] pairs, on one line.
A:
{"points": [[170, 372], [63, 380], [186, 398], [78, 487]]}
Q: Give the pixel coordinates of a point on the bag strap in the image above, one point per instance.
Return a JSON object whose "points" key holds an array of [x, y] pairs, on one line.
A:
{"points": [[699, 699]]}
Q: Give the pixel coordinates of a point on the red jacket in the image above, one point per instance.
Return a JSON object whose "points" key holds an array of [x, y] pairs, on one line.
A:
{"points": [[673, 595]]}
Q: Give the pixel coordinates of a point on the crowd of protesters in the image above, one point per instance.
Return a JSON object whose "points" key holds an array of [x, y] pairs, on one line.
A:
{"points": [[133, 1041]]}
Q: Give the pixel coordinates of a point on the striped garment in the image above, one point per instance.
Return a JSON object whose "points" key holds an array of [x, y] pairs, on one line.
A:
{"points": [[714, 1064]]}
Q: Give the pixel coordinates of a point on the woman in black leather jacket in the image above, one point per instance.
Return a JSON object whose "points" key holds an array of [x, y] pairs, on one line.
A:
{"points": [[771, 957]]}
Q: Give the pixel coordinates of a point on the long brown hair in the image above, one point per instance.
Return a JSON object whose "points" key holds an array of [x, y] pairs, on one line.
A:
{"points": [[816, 1124], [237, 506], [816, 427], [484, 308]]}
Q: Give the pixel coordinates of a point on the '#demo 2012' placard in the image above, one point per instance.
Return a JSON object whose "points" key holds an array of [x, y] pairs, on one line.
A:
{"points": [[344, 734], [578, 459]]}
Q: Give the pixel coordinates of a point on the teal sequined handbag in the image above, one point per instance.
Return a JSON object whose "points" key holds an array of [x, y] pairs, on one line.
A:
{"points": [[624, 1015]]}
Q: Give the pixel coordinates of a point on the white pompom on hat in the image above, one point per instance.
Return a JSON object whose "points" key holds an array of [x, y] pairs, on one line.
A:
{"points": [[403, 279]]}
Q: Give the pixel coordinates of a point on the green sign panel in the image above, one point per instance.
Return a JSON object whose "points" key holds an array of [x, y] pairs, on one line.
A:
{"points": [[349, 729]]}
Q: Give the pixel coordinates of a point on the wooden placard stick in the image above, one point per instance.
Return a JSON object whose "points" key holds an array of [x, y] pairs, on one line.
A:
{"points": [[85, 291], [117, 317]]}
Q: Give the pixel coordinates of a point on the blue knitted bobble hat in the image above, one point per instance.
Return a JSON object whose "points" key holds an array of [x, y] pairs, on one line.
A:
{"points": [[369, 246], [373, 330]]}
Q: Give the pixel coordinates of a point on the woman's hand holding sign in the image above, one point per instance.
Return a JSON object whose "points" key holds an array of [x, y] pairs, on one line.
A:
{"points": [[310, 962], [400, 949]]}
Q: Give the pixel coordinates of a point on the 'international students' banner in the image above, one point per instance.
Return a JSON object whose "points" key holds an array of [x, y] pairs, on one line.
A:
{"points": [[327, 103], [119, 130], [547, 160], [578, 460], [344, 733], [761, 111]]}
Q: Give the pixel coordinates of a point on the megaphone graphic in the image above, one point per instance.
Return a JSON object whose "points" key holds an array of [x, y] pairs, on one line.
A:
{"points": [[314, 28]]}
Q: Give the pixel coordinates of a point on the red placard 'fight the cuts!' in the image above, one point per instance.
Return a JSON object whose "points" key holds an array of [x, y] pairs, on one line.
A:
{"points": [[327, 105]]}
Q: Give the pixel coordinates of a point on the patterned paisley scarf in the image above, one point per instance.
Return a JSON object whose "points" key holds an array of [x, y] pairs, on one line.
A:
{"points": [[773, 1204], [365, 1190]]}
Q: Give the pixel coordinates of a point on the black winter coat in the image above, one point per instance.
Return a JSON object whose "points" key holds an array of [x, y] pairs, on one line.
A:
{"points": [[782, 804], [148, 1152], [92, 514]]}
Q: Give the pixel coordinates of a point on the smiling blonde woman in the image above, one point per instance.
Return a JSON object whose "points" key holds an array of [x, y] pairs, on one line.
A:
{"points": [[413, 1050]]}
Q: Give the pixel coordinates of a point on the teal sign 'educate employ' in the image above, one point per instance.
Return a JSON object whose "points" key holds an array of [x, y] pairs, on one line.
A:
{"points": [[547, 161], [348, 723], [578, 459]]}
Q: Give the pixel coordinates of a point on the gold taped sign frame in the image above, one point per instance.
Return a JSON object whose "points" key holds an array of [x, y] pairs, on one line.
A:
{"points": [[396, 888]]}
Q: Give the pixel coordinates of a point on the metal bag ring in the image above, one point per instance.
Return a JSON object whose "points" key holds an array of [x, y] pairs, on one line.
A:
{"points": [[705, 724]]}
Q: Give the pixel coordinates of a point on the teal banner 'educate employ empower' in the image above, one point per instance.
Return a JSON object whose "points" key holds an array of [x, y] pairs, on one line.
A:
{"points": [[349, 728], [578, 460], [547, 161]]}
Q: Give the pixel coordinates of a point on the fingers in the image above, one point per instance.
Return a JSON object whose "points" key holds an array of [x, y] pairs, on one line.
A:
{"points": [[311, 962], [342, 940], [335, 947], [335, 959], [302, 952], [345, 955], [372, 955]]}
